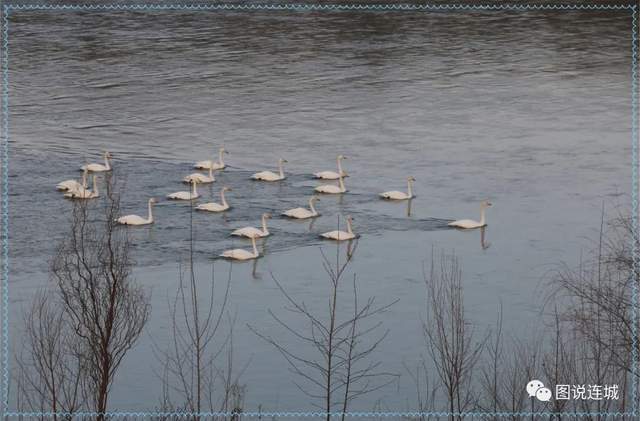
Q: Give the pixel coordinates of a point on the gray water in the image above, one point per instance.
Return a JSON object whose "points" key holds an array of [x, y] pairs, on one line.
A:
{"points": [[531, 110]]}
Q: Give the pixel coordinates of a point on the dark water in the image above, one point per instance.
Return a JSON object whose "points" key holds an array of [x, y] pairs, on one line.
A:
{"points": [[531, 110]]}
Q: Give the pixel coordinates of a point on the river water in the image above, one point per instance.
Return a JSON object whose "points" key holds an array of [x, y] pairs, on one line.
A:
{"points": [[529, 109]]}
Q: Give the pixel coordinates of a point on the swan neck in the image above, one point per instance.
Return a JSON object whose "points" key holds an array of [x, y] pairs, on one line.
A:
{"points": [[313, 209], [341, 181], [265, 231], [339, 166], [410, 190], [84, 179], [280, 167], [194, 192], [221, 157], [349, 228], [150, 218], [482, 217], [95, 185], [222, 198], [106, 162], [255, 248]]}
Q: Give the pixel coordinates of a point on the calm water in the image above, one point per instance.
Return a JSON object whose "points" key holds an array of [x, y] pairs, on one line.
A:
{"points": [[531, 110]]}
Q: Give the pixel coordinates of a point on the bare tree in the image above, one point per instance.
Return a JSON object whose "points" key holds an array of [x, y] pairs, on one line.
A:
{"points": [[190, 374], [341, 369], [450, 337], [50, 366], [105, 308]]}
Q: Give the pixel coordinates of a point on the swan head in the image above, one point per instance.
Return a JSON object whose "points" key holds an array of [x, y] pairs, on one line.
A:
{"points": [[266, 215], [341, 157], [282, 160], [314, 198], [485, 204], [107, 154], [411, 178], [223, 150], [152, 201], [226, 188]]}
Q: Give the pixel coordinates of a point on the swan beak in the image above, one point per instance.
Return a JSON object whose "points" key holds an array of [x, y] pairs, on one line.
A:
{"points": [[489, 204]]}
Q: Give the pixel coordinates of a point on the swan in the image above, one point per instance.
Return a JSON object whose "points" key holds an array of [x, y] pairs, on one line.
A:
{"points": [[209, 164], [185, 195], [332, 175], [84, 193], [398, 195], [302, 213], [99, 167], [200, 178], [470, 223], [331, 189], [269, 175], [72, 185], [216, 207], [241, 254], [138, 220], [341, 235], [251, 232]]}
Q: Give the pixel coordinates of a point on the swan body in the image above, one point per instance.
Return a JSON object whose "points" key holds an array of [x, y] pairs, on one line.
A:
{"points": [[99, 167], [216, 207], [138, 220], [185, 195], [341, 235], [200, 178], [332, 175], [251, 232], [331, 189], [470, 223], [398, 195], [303, 213], [84, 193], [72, 185], [270, 175], [212, 165], [242, 254]]}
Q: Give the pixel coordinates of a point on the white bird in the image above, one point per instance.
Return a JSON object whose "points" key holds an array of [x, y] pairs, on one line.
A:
{"points": [[270, 175], [241, 254], [251, 232], [332, 175], [303, 213], [99, 167], [341, 235], [216, 207], [331, 189], [470, 223], [185, 195], [209, 164], [398, 195], [138, 220], [71, 185], [84, 193], [200, 178]]}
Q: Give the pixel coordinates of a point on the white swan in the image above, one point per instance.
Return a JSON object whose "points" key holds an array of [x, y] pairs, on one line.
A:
{"points": [[185, 195], [251, 232], [241, 254], [270, 175], [138, 220], [341, 235], [99, 167], [84, 193], [332, 175], [470, 223], [209, 164], [398, 195], [72, 185], [216, 207], [302, 213], [331, 189], [200, 178]]}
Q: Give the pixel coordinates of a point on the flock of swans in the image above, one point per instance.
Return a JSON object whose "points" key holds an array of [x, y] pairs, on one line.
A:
{"points": [[74, 189]]}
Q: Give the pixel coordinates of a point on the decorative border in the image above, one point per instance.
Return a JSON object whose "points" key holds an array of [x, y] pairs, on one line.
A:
{"points": [[4, 209]]}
